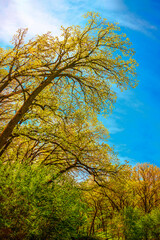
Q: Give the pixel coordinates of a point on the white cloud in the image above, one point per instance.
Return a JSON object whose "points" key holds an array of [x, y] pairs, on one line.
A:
{"points": [[41, 16], [26, 13]]}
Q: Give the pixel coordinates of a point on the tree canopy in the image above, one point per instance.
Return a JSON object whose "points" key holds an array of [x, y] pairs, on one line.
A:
{"points": [[52, 88]]}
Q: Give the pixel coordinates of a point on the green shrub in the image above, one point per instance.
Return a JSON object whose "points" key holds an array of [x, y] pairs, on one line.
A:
{"points": [[132, 226], [150, 224], [32, 208], [138, 225]]}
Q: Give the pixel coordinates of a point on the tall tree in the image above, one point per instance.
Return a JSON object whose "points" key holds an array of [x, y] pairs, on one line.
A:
{"points": [[146, 185], [87, 62]]}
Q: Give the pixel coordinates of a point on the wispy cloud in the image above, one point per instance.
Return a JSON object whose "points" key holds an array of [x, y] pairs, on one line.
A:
{"points": [[41, 16], [127, 98], [112, 5], [117, 11], [129, 20], [123, 159], [26, 13], [111, 124]]}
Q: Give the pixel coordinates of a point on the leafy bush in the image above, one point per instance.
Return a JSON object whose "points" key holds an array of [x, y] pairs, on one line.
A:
{"points": [[132, 226], [32, 208], [138, 225], [150, 224]]}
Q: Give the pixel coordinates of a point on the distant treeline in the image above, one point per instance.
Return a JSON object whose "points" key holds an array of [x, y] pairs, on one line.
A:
{"points": [[126, 206]]}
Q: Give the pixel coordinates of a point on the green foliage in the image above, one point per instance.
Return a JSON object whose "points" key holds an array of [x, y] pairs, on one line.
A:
{"points": [[33, 208], [139, 226], [35, 204], [150, 224], [132, 228], [155, 217]]}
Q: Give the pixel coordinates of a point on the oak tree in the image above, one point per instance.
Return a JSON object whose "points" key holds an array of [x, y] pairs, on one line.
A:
{"points": [[87, 62], [52, 89]]}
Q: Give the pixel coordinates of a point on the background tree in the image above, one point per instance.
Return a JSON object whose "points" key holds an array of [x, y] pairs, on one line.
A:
{"points": [[116, 208], [146, 185]]}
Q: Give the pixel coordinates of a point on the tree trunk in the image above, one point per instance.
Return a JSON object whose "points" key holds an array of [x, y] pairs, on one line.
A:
{"points": [[7, 132], [91, 231]]}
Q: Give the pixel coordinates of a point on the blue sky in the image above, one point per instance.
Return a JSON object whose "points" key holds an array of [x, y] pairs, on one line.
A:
{"points": [[135, 122]]}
